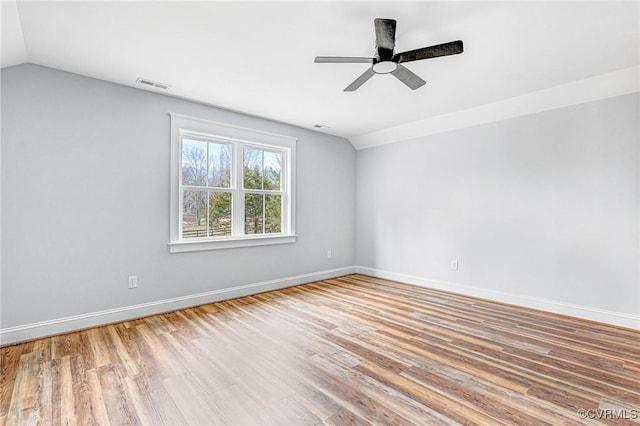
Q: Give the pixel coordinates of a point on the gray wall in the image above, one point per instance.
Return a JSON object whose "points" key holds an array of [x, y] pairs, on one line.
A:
{"points": [[544, 205], [85, 200]]}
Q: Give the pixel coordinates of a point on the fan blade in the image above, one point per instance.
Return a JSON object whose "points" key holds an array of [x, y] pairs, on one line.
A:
{"points": [[342, 59], [360, 80], [408, 77], [385, 37], [445, 49]]}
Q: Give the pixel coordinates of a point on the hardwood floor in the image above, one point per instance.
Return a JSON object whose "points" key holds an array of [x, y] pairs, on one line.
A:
{"points": [[353, 350]]}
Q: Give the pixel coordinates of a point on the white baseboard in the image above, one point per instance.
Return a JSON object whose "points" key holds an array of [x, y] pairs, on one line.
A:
{"points": [[67, 324], [63, 325], [594, 314]]}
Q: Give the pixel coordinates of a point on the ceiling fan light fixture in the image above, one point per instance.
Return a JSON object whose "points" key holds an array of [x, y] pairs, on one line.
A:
{"points": [[384, 67]]}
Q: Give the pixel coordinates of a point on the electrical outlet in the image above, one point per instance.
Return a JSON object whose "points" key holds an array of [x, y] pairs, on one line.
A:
{"points": [[329, 254], [454, 265], [133, 281]]}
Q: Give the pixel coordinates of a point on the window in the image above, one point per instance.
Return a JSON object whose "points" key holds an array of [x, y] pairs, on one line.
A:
{"points": [[230, 186]]}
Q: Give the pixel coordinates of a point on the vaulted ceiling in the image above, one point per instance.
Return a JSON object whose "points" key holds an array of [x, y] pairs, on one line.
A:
{"points": [[258, 57]]}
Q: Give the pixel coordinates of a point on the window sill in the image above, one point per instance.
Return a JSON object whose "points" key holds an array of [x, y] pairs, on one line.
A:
{"points": [[185, 246]]}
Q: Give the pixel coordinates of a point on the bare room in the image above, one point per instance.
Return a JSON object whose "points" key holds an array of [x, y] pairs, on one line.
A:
{"points": [[302, 212]]}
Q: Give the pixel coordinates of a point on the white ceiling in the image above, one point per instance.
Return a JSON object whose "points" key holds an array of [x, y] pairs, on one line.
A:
{"points": [[257, 57]]}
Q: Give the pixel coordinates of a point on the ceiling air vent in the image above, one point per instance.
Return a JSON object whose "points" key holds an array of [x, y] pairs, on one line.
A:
{"points": [[321, 126], [152, 83]]}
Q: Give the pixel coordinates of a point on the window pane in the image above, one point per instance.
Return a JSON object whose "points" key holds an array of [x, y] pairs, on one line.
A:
{"points": [[252, 168], [271, 167], [194, 214], [253, 214], [219, 165], [272, 213], [194, 162], [219, 214]]}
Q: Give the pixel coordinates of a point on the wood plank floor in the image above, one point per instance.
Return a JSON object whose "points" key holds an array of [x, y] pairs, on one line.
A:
{"points": [[353, 350]]}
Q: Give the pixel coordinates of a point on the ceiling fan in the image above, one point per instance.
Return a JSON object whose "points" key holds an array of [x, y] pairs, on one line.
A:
{"points": [[385, 61]]}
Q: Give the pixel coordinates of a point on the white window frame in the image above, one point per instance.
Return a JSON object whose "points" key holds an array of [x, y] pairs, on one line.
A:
{"points": [[239, 138]]}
